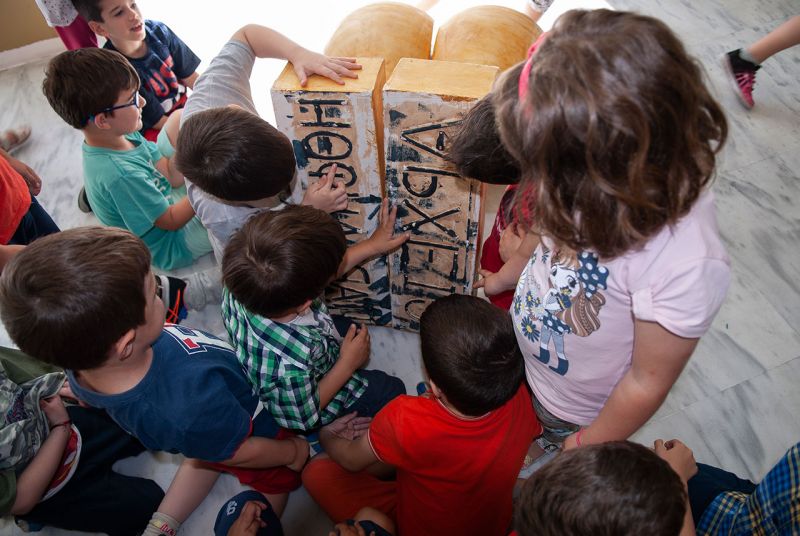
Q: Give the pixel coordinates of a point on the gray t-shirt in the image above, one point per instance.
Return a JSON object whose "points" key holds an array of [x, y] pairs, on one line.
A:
{"points": [[226, 81]]}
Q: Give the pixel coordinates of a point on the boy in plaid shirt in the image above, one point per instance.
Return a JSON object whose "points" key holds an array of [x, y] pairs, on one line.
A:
{"points": [[275, 269]]}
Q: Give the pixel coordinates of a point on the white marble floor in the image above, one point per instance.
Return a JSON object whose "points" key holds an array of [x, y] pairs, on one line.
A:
{"points": [[737, 404]]}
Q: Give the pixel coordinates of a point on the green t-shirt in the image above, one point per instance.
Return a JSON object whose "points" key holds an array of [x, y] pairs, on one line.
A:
{"points": [[126, 190]]}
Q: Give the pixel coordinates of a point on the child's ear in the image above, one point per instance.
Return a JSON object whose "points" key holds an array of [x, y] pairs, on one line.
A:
{"points": [[123, 348], [98, 28], [101, 122], [303, 308], [435, 389]]}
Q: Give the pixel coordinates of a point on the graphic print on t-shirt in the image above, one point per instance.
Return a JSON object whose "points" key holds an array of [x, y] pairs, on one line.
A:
{"points": [[570, 304], [194, 341]]}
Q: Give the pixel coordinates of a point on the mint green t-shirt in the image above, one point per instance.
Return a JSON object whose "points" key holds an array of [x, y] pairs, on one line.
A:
{"points": [[126, 190]]}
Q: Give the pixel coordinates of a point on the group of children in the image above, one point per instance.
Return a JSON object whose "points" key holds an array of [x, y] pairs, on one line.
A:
{"points": [[607, 249]]}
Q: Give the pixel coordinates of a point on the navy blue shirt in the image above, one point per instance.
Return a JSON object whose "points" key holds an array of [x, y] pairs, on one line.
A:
{"points": [[168, 60], [195, 399]]}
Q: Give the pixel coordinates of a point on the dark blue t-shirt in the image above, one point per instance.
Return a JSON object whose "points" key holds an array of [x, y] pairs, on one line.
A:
{"points": [[167, 61], [195, 399]]}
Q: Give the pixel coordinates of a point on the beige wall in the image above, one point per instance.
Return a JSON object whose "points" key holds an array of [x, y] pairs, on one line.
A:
{"points": [[21, 23]]}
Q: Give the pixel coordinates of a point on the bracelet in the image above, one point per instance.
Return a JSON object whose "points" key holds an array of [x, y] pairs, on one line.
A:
{"points": [[66, 423], [578, 437]]}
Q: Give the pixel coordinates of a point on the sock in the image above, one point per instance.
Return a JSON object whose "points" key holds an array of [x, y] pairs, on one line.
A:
{"points": [[746, 56], [161, 525]]}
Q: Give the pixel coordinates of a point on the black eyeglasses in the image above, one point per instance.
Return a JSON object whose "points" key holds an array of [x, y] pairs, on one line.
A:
{"points": [[134, 102]]}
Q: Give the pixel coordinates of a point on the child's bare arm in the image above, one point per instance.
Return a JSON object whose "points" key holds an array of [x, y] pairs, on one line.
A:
{"points": [[267, 43], [681, 459], [176, 216], [658, 359], [189, 487], [34, 480], [167, 168], [506, 278], [262, 452], [382, 241], [353, 354], [346, 441], [190, 80]]}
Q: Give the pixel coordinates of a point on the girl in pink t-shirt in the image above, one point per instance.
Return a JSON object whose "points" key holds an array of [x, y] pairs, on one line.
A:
{"points": [[616, 135]]}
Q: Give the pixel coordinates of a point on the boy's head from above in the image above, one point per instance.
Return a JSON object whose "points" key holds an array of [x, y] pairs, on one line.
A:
{"points": [[611, 488], [234, 155], [613, 125], [470, 354], [281, 260], [116, 20], [93, 88], [81, 297], [476, 149]]}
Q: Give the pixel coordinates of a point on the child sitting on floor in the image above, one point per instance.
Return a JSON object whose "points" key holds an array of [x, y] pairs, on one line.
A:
{"points": [[91, 290], [56, 461], [457, 450], [274, 271], [128, 182], [235, 163], [166, 66]]}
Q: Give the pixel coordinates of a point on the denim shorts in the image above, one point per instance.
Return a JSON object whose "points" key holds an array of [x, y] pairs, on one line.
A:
{"points": [[555, 430]]}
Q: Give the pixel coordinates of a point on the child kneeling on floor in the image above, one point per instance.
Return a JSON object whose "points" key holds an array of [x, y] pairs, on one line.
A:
{"points": [[456, 450], [275, 271], [177, 389]]}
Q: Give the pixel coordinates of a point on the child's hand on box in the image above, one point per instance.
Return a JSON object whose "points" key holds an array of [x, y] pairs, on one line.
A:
{"points": [[355, 347], [383, 240], [306, 63], [327, 194]]}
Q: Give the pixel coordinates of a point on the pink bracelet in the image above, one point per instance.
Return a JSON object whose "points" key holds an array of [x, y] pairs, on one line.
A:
{"points": [[578, 437]]}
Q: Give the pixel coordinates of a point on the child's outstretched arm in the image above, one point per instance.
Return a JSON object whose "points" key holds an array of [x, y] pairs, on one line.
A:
{"points": [[176, 216], [32, 483], [658, 359], [267, 43], [383, 240], [263, 452], [506, 277]]}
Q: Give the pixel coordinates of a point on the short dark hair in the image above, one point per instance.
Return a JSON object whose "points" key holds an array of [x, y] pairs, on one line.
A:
{"points": [[617, 133], [470, 352], [234, 155], [477, 151], [88, 9], [80, 83], [280, 259], [68, 297], [606, 489]]}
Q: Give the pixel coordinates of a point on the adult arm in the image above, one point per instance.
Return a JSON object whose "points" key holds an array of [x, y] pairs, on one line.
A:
{"points": [[267, 43], [658, 359]]}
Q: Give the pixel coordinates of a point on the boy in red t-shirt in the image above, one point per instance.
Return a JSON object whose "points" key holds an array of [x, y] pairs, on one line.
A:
{"points": [[456, 450]]}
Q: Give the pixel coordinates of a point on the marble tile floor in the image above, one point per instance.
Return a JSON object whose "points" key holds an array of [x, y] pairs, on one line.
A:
{"points": [[737, 404]]}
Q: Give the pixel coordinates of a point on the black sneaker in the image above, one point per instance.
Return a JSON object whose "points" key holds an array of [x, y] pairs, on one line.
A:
{"points": [[171, 291], [83, 202], [742, 74]]}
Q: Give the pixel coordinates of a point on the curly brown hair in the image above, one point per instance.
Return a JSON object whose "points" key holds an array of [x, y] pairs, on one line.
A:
{"points": [[617, 132]]}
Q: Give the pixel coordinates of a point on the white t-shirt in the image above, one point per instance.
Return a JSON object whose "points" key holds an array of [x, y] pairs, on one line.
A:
{"points": [[227, 81], [574, 314]]}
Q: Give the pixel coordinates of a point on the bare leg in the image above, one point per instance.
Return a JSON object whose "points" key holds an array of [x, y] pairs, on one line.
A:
{"points": [[784, 36], [278, 502]]}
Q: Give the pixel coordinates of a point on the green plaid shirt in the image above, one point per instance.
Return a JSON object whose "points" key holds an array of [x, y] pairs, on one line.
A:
{"points": [[285, 362]]}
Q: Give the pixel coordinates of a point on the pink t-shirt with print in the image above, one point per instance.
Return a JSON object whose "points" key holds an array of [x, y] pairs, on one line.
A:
{"points": [[574, 314]]}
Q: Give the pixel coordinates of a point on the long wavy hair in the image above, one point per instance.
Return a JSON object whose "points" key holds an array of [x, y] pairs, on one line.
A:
{"points": [[617, 133]]}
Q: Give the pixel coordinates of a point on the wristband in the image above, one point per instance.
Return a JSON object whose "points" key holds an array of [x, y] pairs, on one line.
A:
{"points": [[578, 437], [66, 423]]}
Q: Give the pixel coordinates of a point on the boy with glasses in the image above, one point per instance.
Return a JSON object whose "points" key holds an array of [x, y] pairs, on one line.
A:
{"points": [[129, 184]]}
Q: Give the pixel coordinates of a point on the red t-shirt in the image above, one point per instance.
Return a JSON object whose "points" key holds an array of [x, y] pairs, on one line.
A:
{"points": [[15, 200], [454, 476]]}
